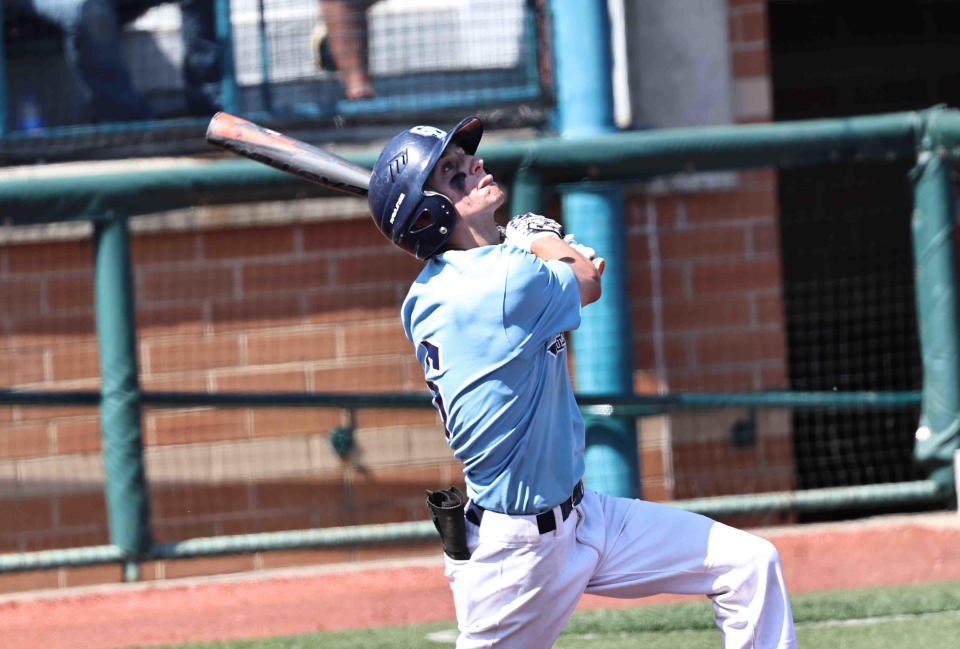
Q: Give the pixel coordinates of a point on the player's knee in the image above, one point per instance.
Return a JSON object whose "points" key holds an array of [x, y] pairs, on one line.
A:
{"points": [[764, 557]]}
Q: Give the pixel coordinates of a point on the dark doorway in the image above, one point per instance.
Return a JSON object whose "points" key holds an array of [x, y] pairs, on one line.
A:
{"points": [[848, 266]]}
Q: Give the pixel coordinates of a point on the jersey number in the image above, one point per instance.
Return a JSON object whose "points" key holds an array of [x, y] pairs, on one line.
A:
{"points": [[433, 360]]}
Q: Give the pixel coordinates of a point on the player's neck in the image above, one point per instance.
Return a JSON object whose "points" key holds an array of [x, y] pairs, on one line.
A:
{"points": [[474, 233]]}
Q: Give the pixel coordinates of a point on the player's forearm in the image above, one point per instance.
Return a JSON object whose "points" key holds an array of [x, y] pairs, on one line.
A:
{"points": [[588, 277]]}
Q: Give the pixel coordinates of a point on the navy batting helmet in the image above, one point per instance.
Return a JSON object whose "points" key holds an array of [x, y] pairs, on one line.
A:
{"points": [[418, 220]]}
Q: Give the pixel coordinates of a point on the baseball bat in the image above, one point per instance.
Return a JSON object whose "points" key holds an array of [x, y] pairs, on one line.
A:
{"points": [[287, 154]]}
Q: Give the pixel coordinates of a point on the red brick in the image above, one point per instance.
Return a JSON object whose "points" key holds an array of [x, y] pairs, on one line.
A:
{"points": [[193, 284], [6, 413], [195, 500], [356, 304], [651, 462], [655, 491], [285, 494], [208, 566], [174, 383], [376, 377], [750, 63], [74, 362], [205, 425], [26, 514], [760, 178], [718, 380], [707, 313], [50, 256], [164, 248], [377, 267], [777, 450], [397, 550], [740, 346], [203, 353], [70, 538], [702, 242], [69, 292], [25, 581], [667, 210], [169, 320], [769, 307], [309, 557], [248, 242], [262, 381], [41, 414], [774, 377], [278, 422], [753, 26], [93, 575], [262, 312], [24, 440], [638, 249], [81, 509], [20, 367], [52, 329], [672, 281], [285, 276], [21, 295], [367, 418], [376, 339], [343, 235], [735, 276], [725, 207], [295, 346], [268, 522], [169, 532], [78, 436], [765, 238]]}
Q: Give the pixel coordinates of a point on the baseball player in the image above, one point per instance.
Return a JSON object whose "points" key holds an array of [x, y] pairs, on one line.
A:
{"points": [[486, 317]]}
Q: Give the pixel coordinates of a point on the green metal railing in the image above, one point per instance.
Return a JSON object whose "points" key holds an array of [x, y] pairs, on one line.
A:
{"points": [[931, 137]]}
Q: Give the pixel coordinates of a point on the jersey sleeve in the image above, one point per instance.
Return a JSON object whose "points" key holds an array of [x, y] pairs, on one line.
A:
{"points": [[542, 298]]}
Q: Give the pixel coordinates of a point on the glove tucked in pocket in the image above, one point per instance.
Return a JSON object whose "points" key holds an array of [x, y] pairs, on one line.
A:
{"points": [[446, 509]]}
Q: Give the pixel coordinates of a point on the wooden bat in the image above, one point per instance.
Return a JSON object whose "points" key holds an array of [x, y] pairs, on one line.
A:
{"points": [[287, 154]]}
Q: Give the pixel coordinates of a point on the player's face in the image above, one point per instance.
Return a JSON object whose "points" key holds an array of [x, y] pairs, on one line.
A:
{"points": [[462, 178]]}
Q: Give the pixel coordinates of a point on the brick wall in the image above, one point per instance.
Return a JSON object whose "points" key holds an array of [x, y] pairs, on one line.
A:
{"points": [[311, 304], [707, 304]]}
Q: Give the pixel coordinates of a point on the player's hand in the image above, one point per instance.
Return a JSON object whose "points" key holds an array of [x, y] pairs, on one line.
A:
{"points": [[586, 251], [524, 229]]}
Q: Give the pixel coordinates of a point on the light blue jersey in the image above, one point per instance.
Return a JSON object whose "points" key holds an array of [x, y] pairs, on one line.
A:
{"points": [[487, 324]]}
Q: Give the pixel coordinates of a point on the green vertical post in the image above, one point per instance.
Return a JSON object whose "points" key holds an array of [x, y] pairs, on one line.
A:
{"points": [[526, 194], [126, 491], [934, 249], [229, 93], [594, 213]]}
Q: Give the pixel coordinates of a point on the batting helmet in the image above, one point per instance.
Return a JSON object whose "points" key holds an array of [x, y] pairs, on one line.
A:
{"points": [[416, 219]]}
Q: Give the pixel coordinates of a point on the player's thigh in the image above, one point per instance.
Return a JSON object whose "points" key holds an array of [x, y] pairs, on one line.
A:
{"points": [[652, 548], [520, 594]]}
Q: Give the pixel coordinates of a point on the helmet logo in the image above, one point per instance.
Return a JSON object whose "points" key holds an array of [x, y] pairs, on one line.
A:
{"points": [[429, 131], [397, 164], [396, 207]]}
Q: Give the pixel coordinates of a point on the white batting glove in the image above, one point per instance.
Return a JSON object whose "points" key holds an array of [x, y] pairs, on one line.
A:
{"points": [[586, 251], [598, 262], [523, 230]]}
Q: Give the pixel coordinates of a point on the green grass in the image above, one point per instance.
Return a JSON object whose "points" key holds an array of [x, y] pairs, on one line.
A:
{"points": [[917, 615]]}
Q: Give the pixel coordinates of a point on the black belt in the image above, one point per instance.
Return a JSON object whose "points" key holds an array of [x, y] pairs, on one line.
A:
{"points": [[546, 521]]}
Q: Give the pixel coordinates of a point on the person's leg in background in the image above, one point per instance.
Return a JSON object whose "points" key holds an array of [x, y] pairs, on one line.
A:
{"points": [[94, 52], [346, 35], [202, 62]]}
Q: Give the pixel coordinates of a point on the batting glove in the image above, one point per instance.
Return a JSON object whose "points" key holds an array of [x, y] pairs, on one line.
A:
{"points": [[586, 251], [523, 230]]}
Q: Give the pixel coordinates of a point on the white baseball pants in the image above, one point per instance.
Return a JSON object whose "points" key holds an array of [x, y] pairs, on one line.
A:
{"points": [[519, 587]]}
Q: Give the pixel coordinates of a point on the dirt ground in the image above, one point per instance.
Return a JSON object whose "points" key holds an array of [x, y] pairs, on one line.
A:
{"points": [[877, 551]]}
